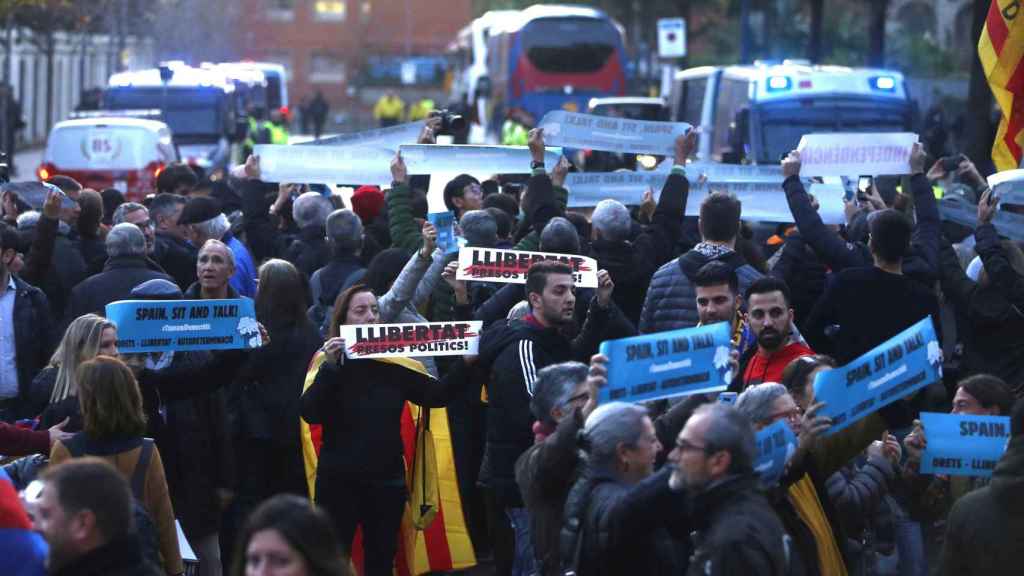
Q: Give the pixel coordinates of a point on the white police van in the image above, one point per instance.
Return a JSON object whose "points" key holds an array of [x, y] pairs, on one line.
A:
{"points": [[758, 113]]}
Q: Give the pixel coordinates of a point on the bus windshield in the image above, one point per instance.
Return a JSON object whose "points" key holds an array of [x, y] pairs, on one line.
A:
{"points": [[187, 111], [782, 124], [653, 112], [569, 45]]}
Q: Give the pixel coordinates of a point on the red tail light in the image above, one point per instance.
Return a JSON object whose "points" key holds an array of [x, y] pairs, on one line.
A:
{"points": [[155, 168], [46, 171]]}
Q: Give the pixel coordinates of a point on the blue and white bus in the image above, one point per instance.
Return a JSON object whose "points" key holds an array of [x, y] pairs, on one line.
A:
{"points": [[755, 114]]}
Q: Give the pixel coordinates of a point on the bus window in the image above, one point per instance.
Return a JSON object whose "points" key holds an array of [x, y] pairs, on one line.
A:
{"points": [[577, 45], [733, 96], [692, 104]]}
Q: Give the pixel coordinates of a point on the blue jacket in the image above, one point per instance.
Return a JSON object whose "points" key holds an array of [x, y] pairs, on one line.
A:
{"points": [[244, 279]]}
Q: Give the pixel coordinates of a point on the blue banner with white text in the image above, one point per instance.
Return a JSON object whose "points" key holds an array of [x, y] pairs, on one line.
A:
{"points": [[888, 372], [665, 364], [962, 444], [776, 444], [172, 325]]}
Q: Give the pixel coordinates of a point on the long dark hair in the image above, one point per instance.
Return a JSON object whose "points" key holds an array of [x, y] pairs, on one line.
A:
{"points": [[341, 305], [281, 299], [305, 527]]}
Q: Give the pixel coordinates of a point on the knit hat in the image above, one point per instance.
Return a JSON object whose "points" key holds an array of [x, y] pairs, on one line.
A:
{"points": [[367, 202]]}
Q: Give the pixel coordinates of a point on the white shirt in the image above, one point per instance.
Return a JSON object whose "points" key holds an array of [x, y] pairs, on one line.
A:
{"points": [[8, 363]]}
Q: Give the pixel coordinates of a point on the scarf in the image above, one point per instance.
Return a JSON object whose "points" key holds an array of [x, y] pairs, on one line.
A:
{"points": [[712, 251]]}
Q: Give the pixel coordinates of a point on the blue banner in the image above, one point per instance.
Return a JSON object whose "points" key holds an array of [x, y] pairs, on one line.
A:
{"points": [[447, 240], [164, 325], [776, 444], [665, 364], [575, 130], [906, 362], [963, 445]]}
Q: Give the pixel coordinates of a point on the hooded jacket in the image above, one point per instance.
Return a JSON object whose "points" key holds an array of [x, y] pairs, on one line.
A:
{"points": [[671, 301], [985, 529], [511, 353]]}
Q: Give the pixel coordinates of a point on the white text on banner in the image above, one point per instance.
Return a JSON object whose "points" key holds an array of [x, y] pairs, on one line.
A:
{"points": [[574, 130]]}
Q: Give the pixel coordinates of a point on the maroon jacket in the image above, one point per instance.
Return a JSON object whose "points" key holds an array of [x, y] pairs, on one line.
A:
{"points": [[16, 441]]}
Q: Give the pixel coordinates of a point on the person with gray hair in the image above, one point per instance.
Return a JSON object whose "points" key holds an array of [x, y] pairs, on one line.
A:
{"points": [[345, 237], [126, 268], [173, 251], [479, 228], [737, 531], [204, 220], [563, 397], [309, 250], [137, 214], [632, 254], [559, 236]]}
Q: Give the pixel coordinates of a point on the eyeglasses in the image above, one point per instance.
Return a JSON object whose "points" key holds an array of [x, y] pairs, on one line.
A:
{"points": [[793, 415], [146, 225], [686, 445]]}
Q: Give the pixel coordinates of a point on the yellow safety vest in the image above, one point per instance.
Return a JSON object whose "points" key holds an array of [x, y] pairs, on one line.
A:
{"points": [[390, 108], [514, 134]]}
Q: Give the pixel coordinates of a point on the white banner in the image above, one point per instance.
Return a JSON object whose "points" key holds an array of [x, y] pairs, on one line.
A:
{"points": [[330, 165], [1009, 187], [391, 137], [856, 154], [409, 340], [511, 266], [574, 130], [760, 193], [479, 161]]}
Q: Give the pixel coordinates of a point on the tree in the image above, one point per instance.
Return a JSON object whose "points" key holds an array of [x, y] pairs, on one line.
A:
{"points": [[814, 51], [876, 32]]}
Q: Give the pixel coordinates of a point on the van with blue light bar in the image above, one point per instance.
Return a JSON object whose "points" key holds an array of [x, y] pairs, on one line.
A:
{"points": [[759, 112], [198, 105]]}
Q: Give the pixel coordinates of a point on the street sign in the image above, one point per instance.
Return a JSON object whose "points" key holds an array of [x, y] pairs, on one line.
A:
{"points": [[671, 37]]}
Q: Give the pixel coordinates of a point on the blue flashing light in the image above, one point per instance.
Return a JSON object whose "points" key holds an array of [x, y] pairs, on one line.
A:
{"points": [[779, 83]]}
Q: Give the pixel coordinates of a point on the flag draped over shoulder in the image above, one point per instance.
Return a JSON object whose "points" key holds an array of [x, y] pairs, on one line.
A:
{"points": [[1001, 50], [444, 544]]}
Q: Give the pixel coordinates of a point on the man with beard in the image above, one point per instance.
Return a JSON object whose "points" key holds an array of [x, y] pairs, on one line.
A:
{"points": [[717, 290], [771, 320]]}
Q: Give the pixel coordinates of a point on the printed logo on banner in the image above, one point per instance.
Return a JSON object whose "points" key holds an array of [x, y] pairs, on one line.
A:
{"points": [[888, 372], [962, 444], [854, 154], [776, 444], [409, 340], [169, 325], [666, 364], [574, 130], [511, 266]]}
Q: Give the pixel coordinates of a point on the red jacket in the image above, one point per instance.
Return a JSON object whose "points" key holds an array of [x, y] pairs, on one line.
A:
{"points": [[16, 441], [768, 368]]}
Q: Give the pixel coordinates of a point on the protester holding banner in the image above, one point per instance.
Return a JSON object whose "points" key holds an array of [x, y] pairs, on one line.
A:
{"points": [[205, 221], [633, 260], [360, 473], [985, 529], [670, 301]]}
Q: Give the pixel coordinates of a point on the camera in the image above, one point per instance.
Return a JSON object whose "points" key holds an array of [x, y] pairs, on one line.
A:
{"points": [[451, 123], [950, 164]]}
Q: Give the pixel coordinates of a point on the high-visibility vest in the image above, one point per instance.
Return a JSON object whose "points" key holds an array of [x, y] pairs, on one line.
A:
{"points": [[389, 108], [250, 135], [514, 134], [278, 134]]}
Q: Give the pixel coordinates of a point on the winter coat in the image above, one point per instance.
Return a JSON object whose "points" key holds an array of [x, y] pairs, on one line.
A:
{"points": [[177, 257], [672, 297], [122, 557], [309, 251], [992, 330], [736, 532], [120, 275], [632, 264], [34, 334], [411, 290], [985, 529]]}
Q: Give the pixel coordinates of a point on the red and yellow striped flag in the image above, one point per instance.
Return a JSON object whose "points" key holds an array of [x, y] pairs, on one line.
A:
{"points": [[444, 545], [1001, 50]]}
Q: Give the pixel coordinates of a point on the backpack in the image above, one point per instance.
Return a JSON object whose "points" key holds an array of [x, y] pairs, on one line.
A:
{"points": [[145, 528]]}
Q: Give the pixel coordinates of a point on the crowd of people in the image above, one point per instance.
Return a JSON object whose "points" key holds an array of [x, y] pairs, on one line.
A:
{"points": [[116, 448]]}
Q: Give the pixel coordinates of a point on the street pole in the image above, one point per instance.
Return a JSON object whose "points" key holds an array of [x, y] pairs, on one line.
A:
{"points": [[744, 31]]}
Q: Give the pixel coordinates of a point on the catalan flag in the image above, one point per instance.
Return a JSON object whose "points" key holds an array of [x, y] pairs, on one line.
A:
{"points": [[1001, 50], [442, 546]]}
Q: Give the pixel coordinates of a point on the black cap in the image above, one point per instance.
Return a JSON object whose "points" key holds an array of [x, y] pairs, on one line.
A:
{"points": [[199, 209], [157, 289]]}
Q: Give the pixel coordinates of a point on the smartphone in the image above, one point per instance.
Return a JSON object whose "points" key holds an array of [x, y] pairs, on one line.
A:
{"points": [[727, 397]]}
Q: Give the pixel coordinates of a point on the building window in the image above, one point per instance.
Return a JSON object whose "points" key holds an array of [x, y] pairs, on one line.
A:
{"points": [[326, 69], [282, 58], [329, 10], [281, 10]]}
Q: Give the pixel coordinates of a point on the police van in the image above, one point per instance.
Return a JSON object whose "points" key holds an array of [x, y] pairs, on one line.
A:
{"points": [[198, 106], [758, 113]]}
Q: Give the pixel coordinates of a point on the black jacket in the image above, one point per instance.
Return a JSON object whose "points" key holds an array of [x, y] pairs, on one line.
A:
{"points": [[327, 282], [736, 532], [309, 251], [34, 335], [177, 257], [122, 557], [94, 252], [120, 275], [66, 270], [629, 529], [922, 261], [990, 318], [359, 405], [632, 264], [511, 354], [985, 529]]}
